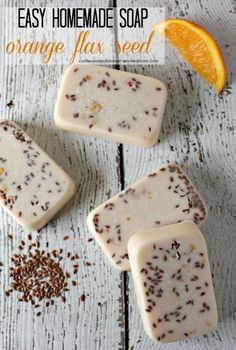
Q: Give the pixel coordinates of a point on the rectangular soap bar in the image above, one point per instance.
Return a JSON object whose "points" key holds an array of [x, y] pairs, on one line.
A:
{"points": [[164, 197], [111, 104], [173, 283], [33, 188]]}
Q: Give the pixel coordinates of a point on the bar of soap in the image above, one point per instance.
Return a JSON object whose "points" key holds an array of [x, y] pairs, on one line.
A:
{"points": [[33, 188], [111, 104], [164, 197], [173, 283]]}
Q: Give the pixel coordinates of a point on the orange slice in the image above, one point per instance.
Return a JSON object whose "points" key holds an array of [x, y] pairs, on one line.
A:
{"points": [[197, 47]]}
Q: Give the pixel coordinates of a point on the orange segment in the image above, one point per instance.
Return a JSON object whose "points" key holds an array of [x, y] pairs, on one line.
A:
{"points": [[197, 47]]}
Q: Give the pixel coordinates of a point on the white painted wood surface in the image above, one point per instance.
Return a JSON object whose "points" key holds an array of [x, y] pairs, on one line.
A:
{"points": [[198, 133]]}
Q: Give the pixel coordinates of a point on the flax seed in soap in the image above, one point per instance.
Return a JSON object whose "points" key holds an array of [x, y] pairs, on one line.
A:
{"points": [[111, 104], [173, 283], [164, 197], [33, 188]]}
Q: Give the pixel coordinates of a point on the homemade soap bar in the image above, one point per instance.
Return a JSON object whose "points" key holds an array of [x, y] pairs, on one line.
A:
{"points": [[111, 104], [32, 186], [163, 197], [173, 283]]}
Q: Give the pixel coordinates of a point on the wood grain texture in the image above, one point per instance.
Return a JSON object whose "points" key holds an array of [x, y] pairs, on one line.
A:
{"points": [[199, 134], [97, 323]]}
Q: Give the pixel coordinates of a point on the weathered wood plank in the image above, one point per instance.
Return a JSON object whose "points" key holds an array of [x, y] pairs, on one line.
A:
{"points": [[98, 323], [198, 133]]}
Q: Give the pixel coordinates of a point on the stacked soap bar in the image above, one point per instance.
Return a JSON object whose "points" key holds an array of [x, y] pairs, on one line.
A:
{"points": [[111, 104], [163, 197], [33, 188], [173, 283]]}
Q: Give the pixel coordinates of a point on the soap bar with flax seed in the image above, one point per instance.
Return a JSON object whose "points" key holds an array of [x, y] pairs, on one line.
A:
{"points": [[165, 196], [111, 104], [33, 188], [172, 281]]}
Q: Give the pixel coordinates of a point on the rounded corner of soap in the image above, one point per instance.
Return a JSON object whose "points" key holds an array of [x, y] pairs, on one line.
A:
{"points": [[36, 226], [197, 230], [71, 188], [69, 68], [137, 240], [89, 221], [57, 117], [131, 241], [148, 143], [151, 144]]}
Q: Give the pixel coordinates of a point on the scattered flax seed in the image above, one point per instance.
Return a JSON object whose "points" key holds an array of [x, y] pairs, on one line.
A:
{"points": [[90, 239], [37, 275], [87, 263], [82, 297], [11, 104], [65, 238], [9, 236]]}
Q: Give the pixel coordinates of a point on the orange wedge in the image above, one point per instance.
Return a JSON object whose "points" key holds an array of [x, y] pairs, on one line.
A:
{"points": [[197, 47]]}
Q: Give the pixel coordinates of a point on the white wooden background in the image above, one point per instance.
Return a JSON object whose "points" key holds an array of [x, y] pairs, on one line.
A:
{"points": [[198, 133]]}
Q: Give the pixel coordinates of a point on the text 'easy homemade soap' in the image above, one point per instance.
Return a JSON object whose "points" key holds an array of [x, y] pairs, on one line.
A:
{"points": [[163, 197], [33, 188], [173, 283], [111, 104]]}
